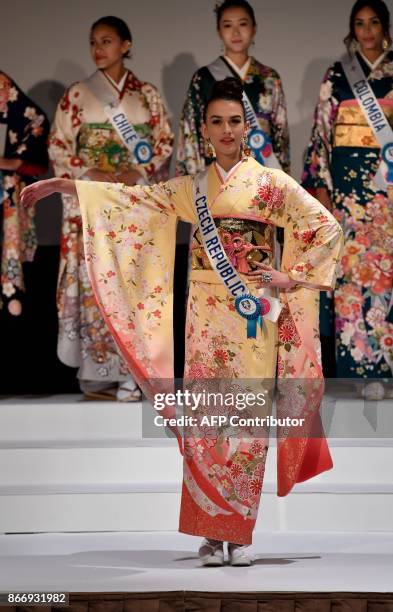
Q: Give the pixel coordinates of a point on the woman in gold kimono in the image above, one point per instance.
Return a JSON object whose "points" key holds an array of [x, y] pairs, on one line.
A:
{"points": [[85, 144], [129, 237]]}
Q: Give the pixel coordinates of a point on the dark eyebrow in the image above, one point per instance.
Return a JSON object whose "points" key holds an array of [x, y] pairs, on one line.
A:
{"points": [[220, 117], [233, 20]]}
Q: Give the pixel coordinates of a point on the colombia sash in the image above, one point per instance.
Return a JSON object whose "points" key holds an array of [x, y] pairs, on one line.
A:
{"points": [[259, 142], [140, 149], [252, 308], [375, 117]]}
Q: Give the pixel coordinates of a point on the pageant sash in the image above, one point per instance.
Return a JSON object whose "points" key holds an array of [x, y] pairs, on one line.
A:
{"points": [[375, 117], [258, 141], [251, 308], [139, 148]]}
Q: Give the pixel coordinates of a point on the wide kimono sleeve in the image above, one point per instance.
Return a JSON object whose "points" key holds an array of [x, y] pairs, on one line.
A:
{"points": [[190, 148], [313, 242], [279, 125], [130, 238], [162, 137], [27, 135], [318, 157], [64, 134]]}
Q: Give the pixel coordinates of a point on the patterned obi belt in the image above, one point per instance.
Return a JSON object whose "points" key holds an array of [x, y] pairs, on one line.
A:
{"points": [[351, 127], [100, 146], [244, 242]]}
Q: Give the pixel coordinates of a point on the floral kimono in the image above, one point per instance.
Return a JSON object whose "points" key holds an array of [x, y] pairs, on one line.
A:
{"points": [[24, 128], [264, 90], [129, 236], [343, 156], [83, 138]]}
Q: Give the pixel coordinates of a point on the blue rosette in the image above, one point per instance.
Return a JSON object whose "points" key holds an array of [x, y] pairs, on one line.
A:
{"points": [[143, 152], [249, 307]]}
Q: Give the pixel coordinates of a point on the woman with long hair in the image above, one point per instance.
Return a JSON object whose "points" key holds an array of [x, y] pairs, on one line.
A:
{"points": [[348, 165], [109, 127], [263, 96], [246, 320]]}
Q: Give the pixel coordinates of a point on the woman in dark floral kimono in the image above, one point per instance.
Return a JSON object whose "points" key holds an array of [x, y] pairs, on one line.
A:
{"points": [[23, 155], [342, 160], [236, 26]]}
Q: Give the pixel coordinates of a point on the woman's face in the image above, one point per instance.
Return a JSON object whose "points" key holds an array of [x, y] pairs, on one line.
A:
{"points": [[225, 127], [106, 47], [368, 30], [236, 30]]}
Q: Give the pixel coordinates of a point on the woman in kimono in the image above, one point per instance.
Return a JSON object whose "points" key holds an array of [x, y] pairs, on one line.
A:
{"points": [[341, 166], [129, 235], [269, 136], [86, 143], [23, 155]]}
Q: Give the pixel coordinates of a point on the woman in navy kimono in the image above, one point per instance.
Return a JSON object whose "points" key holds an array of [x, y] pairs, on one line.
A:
{"points": [[23, 156], [342, 160]]}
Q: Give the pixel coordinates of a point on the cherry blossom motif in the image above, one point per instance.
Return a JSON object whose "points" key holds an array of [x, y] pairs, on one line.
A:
{"points": [[280, 366], [287, 332], [242, 487], [387, 342], [236, 471], [256, 486], [257, 448], [208, 435], [272, 196], [221, 355]]}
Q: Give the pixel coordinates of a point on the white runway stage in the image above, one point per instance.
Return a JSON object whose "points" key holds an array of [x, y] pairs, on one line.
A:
{"points": [[134, 562], [88, 504]]}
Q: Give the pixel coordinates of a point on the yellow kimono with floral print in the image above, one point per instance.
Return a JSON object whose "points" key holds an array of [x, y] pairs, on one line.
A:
{"points": [[129, 235]]}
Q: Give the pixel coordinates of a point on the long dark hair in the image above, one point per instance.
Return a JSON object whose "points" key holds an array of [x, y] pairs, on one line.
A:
{"points": [[380, 9], [229, 89], [120, 27], [227, 4]]}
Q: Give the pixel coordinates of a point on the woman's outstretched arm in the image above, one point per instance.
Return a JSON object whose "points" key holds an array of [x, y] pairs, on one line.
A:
{"points": [[42, 189]]}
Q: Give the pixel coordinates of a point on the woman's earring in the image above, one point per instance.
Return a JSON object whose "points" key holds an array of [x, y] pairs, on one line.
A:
{"points": [[385, 44], [245, 147], [209, 149], [354, 46]]}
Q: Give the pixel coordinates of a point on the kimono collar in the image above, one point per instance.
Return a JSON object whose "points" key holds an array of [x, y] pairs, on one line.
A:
{"points": [[223, 175], [242, 72], [120, 85], [379, 59]]}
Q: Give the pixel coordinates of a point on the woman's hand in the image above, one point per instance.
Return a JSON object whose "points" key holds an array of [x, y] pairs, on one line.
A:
{"points": [[10, 164], [94, 174], [278, 279], [129, 177], [42, 189], [322, 194]]}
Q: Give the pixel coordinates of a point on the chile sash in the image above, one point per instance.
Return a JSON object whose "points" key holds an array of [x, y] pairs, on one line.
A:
{"points": [[140, 149], [258, 141], [252, 308]]}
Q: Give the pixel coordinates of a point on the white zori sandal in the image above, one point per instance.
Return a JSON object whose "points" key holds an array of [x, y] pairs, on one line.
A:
{"points": [[128, 391], [211, 553], [238, 555]]}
